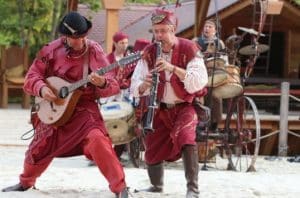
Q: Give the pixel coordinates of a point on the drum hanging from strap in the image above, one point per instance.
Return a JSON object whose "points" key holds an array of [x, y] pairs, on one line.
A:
{"points": [[119, 121], [232, 85], [219, 75]]}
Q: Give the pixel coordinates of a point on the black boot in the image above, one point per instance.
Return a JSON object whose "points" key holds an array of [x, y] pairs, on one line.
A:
{"points": [[191, 169], [119, 149], [91, 163], [156, 176], [123, 193], [17, 187]]}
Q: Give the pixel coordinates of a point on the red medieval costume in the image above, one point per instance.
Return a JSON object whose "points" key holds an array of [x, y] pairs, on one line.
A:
{"points": [[182, 77], [85, 132], [181, 129], [122, 74]]}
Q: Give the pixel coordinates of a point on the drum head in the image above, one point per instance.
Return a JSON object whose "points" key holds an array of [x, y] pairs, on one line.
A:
{"points": [[219, 62], [118, 131], [115, 110]]}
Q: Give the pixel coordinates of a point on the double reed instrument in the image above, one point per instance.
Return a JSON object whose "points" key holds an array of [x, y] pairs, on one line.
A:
{"points": [[152, 105]]}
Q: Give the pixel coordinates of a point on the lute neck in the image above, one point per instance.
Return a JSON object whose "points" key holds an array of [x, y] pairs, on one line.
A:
{"points": [[101, 71], [106, 69]]}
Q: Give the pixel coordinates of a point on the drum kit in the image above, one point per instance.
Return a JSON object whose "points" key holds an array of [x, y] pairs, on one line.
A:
{"points": [[224, 76]]}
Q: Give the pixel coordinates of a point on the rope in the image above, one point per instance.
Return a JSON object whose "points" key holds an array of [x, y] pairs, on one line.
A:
{"points": [[273, 133], [294, 97], [265, 136], [294, 134]]}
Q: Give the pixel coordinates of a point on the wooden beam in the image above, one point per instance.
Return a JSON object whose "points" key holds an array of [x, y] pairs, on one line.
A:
{"points": [[264, 80], [235, 8], [113, 4], [72, 5], [274, 7], [292, 10], [112, 20], [200, 16], [270, 142], [111, 27], [288, 52]]}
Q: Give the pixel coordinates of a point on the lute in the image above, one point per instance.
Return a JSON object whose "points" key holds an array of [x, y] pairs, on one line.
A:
{"points": [[59, 111]]}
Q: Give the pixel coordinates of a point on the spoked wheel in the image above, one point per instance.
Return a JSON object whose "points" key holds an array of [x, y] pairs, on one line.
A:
{"points": [[242, 126], [135, 151]]}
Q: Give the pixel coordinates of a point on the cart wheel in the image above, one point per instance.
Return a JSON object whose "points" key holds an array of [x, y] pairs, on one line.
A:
{"points": [[243, 135]]}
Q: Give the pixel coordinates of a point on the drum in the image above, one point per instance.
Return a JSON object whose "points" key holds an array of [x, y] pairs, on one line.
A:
{"points": [[119, 121], [211, 151], [232, 85], [219, 73]]}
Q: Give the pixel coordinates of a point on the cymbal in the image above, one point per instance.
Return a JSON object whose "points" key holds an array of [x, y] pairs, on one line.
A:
{"points": [[250, 49], [250, 31]]}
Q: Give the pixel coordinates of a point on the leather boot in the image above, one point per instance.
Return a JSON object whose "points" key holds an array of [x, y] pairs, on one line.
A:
{"points": [[156, 176], [191, 169], [17, 187], [122, 194], [119, 149]]}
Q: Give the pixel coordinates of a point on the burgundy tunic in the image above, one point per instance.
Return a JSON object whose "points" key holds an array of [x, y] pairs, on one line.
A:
{"points": [[122, 74], [174, 127], [53, 60]]}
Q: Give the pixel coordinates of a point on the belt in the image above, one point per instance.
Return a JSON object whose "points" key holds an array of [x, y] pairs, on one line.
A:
{"points": [[170, 106]]}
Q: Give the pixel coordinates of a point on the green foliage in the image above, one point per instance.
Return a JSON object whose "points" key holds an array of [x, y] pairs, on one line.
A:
{"points": [[93, 4], [150, 1], [30, 24], [34, 22]]}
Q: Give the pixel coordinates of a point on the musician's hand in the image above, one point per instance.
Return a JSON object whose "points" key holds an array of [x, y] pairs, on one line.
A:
{"points": [[163, 65], [47, 94], [147, 83], [97, 80]]}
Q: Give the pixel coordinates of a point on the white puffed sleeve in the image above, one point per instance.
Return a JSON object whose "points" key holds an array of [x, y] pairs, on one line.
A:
{"points": [[139, 74], [196, 75]]}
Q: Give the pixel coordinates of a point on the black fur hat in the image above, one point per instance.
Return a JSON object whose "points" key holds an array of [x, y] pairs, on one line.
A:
{"points": [[74, 25]]}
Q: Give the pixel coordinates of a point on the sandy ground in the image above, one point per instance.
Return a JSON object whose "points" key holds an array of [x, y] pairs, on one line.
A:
{"points": [[72, 177]]}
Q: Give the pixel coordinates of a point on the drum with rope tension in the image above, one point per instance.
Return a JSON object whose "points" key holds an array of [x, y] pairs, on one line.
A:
{"points": [[219, 73], [119, 121], [232, 85]]}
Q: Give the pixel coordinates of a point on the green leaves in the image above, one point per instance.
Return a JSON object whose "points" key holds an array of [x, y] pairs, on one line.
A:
{"points": [[34, 21], [28, 21]]}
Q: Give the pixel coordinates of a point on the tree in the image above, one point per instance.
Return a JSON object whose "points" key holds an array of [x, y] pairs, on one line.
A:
{"points": [[33, 23], [36, 20]]}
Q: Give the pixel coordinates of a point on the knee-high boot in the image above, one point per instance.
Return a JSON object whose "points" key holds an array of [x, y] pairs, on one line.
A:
{"points": [[156, 176], [191, 168]]}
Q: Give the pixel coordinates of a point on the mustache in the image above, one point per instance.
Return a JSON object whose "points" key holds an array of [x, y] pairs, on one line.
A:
{"points": [[161, 41]]}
